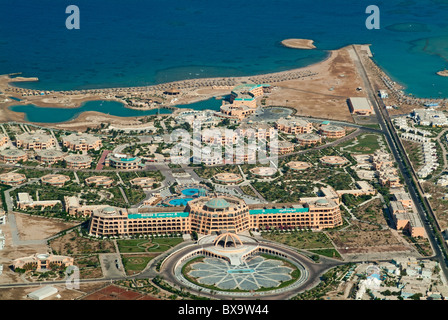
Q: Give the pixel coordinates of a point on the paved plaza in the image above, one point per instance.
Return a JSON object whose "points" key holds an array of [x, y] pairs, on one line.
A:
{"points": [[254, 274]]}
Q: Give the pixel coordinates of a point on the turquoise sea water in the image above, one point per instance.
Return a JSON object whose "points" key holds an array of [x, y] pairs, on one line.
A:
{"points": [[143, 42], [53, 115]]}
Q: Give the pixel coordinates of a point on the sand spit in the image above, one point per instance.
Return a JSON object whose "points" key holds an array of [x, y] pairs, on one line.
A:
{"points": [[299, 43], [443, 73]]}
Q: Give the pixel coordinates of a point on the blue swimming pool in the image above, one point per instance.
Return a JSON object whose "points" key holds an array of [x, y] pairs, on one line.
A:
{"points": [[190, 192], [180, 202]]}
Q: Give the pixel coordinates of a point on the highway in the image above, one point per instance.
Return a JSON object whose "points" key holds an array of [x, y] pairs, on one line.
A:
{"points": [[402, 161]]}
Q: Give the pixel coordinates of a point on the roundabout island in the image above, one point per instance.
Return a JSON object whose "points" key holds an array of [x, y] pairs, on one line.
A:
{"points": [[231, 266]]}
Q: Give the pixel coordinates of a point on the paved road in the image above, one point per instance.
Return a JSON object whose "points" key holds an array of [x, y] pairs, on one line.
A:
{"points": [[395, 146], [315, 270]]}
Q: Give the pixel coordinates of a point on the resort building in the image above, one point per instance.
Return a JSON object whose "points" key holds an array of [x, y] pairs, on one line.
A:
{"points": [[209, 215], [56, 180], [404, 198], [336, 161], [81, 142], [385, 170], [2, 217], [35, 141], [25, 201], [218, 214], [49, 156], [263, 171], [143, 182], [43, 293], [360, 105], [235, 111], [308, 139], [332, 132], [3, 140], [389, 177], [246, 94], [205, 117], [227, 178], [100, 181], [219, 136], [429, 117], [312, 213], [298, 165], [406, 219], [74, 208], [76, 161], [364, 189], [13, 155], [207, 157], [42, 262], [110, 221], [245, 154], [123, 162], [281, 147], [12, 178], [171, 92], [256, 130], [294, 125]]}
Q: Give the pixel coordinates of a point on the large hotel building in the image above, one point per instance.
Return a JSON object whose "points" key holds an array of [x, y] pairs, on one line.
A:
{"points": [[38, 140], [207, 215], [81, 142], [123, 162]]}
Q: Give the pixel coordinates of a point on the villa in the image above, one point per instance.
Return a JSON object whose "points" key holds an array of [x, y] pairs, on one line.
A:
{"points": [[81, 142], [35, 141]]}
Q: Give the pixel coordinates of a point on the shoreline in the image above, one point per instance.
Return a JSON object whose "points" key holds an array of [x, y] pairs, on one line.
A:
{"points": [[73, 101], [192, 90]]}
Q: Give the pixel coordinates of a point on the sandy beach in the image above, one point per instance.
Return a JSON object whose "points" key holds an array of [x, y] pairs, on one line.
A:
{"points": [[318, 90], [299, 43]]}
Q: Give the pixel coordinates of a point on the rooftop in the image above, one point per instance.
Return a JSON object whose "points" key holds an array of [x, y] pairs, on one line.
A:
{"points": [[217, 203]]}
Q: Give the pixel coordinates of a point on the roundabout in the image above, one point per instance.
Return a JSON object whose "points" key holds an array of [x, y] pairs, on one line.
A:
{"points": [[225, 267]]}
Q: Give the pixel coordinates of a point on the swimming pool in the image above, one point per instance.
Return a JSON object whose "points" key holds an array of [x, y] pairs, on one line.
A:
{"points": [[180, 202], [190, 191]]}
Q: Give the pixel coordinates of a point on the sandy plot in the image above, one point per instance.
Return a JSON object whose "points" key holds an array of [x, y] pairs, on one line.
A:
{"points": [[374, 249], [39, 228], [65, 293], [325, 94], [362, 239], [114, 293]]}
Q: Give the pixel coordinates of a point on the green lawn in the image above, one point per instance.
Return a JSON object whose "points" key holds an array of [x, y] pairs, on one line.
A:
{"points": [[332, 253], [135, 264], [147, 245], [367, 143]]}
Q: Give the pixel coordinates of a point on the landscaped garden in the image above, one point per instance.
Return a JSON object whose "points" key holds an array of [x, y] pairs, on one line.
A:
{"points": [[147, 245]]}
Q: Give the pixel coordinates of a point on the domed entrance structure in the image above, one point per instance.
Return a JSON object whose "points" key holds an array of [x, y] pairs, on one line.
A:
{"points": [[227, 240], [210, 215]]}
